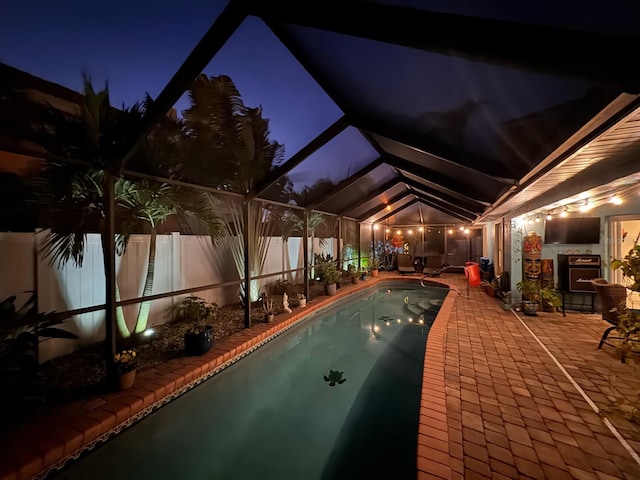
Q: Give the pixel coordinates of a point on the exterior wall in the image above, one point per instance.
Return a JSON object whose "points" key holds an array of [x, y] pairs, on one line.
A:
{"points": [[606, 212]]}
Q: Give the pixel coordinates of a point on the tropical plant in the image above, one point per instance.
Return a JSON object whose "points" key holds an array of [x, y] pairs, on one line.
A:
{"points": [[354, 272], [630, 267], [228, 147], [267, 303], [125, 361], [330, 273], [196, 311], [22, 329], [374, 263], [629, 319], [295, 224], [228, 144], [533, 291], [349, 255], [260, 228], [74, 196]]}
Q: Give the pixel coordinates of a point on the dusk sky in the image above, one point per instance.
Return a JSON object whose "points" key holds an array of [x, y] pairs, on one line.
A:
{"points": [[137, 45]]}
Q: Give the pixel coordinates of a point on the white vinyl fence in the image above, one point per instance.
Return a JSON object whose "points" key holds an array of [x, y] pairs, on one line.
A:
{"points": [[182, 261]]}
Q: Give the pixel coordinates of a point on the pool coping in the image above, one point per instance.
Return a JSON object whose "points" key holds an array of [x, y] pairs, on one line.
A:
{"points": [[37, 449]]}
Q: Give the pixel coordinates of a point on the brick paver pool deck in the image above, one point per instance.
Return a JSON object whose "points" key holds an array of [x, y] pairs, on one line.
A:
{"points": [[504, 396]]}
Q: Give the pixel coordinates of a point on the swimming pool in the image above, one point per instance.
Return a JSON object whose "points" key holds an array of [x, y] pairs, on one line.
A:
{"points": [[273, 415]]}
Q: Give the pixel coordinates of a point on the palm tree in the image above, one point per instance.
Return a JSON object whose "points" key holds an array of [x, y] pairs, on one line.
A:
{"points": [[228, 147], [228, 143], [76, 194]]}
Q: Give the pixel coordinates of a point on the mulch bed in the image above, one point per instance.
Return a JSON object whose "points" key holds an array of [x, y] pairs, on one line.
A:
{"points": [[83, 373]]}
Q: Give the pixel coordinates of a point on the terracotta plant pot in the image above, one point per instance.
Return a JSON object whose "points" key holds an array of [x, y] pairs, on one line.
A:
{"points": [[330, 289], [374, 273], [126, 380], [355, 280]]}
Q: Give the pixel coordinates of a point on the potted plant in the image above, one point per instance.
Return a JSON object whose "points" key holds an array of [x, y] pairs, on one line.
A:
{"points": [[267, 306], [200, 313], [374, 265], [125, 364], [533, 293], [506, 300], [490, 286], [354, 274], [22, 329], [628, 325], [331, 277]]}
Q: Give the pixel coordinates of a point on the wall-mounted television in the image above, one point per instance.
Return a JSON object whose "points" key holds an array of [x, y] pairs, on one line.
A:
{"points": [[572, 230]]}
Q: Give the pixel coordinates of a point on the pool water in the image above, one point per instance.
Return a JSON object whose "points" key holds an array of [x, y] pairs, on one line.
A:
{"points": [[272, 415]]}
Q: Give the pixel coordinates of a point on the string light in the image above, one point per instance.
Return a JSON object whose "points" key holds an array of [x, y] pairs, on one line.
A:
{"points": [[549, 217], [616, 200], [564, 212], [538, 218], [586, 207]]}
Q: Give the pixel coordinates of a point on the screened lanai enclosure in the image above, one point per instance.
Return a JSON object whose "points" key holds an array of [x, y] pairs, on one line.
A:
{"points": [[240, 145]]}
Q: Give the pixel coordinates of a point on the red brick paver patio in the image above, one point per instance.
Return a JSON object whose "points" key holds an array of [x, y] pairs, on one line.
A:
{"points": [[495, 403]]}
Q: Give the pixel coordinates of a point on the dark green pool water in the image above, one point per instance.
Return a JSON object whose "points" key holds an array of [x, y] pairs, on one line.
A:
{"points": [[273, 416]]}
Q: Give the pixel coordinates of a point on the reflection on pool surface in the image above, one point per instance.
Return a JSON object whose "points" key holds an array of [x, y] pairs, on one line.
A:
{"points": [[272, 415]]}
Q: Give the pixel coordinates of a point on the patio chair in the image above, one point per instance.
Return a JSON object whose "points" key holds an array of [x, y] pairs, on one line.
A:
{"points": [[613, 299], [405, 263]]}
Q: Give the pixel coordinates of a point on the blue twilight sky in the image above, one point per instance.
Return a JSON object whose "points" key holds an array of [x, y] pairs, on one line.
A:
{"points": [[137, 45]]}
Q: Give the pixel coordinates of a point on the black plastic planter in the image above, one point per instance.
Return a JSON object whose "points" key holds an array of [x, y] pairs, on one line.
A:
{"points": [[199, 343]]}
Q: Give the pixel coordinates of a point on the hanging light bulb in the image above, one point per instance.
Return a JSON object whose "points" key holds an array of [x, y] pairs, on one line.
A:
{"points": [[466, 231], [461, 228], [399, 232], [538, 218], [586, 206], [410, 232], [376, 226], [450, 231], [549, 217], [616, 200], [564, 212]]}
